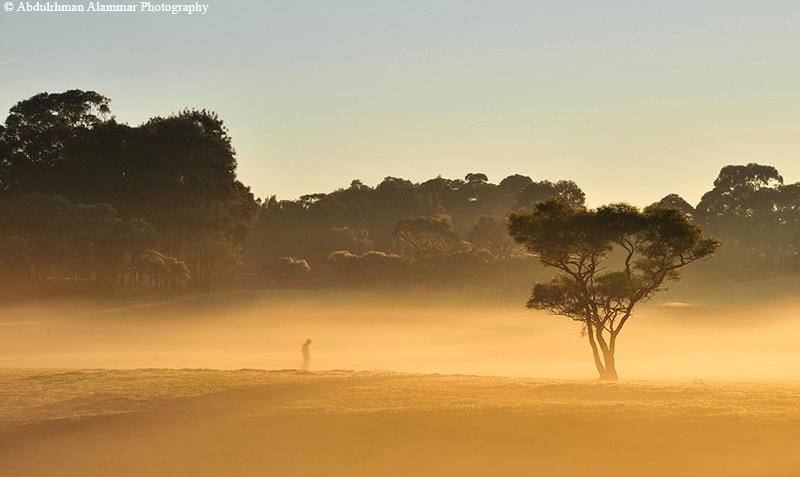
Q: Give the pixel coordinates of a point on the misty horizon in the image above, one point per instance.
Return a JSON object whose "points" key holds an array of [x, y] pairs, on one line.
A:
{"points": [[400, 238]]}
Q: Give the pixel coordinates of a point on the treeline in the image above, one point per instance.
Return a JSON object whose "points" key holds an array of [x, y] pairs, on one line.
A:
{"points": [[85, 196], [453, 233], [441, 232], [756, 216]]}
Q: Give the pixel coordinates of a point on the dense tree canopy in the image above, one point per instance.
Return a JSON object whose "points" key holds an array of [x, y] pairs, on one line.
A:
{"points": [[761, 230], [756, 215], [38, 133], [47, 235], [291, 228], [425, 239], [177, 173], [491, 234]]}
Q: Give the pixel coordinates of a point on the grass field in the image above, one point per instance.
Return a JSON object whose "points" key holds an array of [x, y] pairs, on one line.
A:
{"points": [[402, 384], [250, 422]]}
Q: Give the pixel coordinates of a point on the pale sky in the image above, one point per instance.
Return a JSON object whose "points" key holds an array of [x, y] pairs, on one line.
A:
{"points": [[633, 100]]}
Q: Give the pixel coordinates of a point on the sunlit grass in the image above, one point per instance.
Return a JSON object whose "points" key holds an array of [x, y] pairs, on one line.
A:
{"points": [[31, 396], [96, 387]]}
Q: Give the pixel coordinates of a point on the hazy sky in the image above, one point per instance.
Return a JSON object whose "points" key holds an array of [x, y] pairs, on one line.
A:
{"points": [[631, 99]]}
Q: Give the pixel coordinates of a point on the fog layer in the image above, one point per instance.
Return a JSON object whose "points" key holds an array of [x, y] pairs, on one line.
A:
{"points": [[742, 332]]}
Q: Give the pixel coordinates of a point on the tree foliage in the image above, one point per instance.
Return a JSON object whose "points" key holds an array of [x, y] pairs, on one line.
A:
{"points": [[651, 245], [41, 233], [177, 173], [424, 239], [758, 217], [302, 227], [491, 234], [738, 191], [543, 190], [38, 133]]}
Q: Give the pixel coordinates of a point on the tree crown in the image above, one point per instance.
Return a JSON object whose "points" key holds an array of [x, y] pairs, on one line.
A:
{"points": [[652, 245]]}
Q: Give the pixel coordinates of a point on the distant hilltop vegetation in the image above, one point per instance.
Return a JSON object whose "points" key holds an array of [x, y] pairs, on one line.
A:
{"points": [[83, 197]]}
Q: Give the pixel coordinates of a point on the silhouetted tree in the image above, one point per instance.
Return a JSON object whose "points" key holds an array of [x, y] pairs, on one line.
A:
{"points": [[515, 183], [675, 201], [38, 132], [757, 216], [178, 173], [654, 245], [541, 191], [189, 192], [734, 190], [476, 177]]}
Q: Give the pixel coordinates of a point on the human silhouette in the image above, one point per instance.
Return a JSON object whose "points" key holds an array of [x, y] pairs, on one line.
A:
{"points": [[306, 355]]}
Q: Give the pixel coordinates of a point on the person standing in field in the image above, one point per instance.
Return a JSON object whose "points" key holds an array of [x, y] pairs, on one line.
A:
{"points": [[306, 355]]}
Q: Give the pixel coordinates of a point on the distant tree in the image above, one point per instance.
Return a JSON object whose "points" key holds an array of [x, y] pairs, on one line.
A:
{"points": [[491, 233], [757, 216], [311, 226], [424, 239], [737, 191], [37, 134], [161, 271], [543, 190], [348, 238], [178, 173], [440, 191], [478, 177], [185, 186], [654, 245], [285, 270], [325, 241], [495, 200], [87, 239], [394, 192], [95, 237], [676, 201], [515, 183], [149, 263], [369, 269]]}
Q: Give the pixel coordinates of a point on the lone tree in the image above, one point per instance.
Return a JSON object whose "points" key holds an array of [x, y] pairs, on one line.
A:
{"points": [[649, 247]]}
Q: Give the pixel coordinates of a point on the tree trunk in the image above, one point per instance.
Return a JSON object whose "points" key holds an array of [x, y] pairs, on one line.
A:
{"points": [[595, 352], [606, 365], [608, 355], [610, 373]]}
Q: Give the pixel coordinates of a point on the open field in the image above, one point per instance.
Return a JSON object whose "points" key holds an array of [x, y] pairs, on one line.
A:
{"points": [[98, 386], [249, 422]]}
